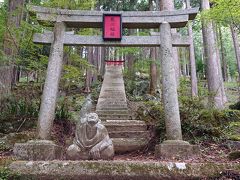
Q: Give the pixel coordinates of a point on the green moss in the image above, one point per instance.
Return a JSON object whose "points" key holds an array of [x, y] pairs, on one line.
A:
{"points": [[6, 174], [233, 131], [234, 155]]}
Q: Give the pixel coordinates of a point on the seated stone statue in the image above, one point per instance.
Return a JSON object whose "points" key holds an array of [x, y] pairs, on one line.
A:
{"points": [[91, 140]]}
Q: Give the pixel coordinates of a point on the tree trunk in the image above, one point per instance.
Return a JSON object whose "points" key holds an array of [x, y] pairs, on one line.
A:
{"points": [[224, 97], [95, 63], [153, 71], [237, 48], [15, 15], [194, 88], [223, 52], [130, 58], [102, 61], [89, 74], [10, 44], [153, 66], [210, 53], [169, 5]]}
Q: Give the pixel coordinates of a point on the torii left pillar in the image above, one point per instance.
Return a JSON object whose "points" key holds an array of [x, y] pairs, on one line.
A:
{"points": [[43, 148], [49, 97]]}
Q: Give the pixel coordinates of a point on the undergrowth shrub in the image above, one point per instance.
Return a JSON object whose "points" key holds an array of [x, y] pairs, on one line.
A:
{"points": [[6, 174], [198, 123], [21, 113], [16, 112]]}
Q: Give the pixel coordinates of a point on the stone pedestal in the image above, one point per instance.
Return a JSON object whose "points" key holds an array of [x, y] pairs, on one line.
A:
{"points": [[37, 150], [176, 149]]}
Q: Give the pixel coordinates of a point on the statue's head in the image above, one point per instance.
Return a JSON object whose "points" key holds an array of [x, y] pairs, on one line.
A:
{"points": [[92, 119]]}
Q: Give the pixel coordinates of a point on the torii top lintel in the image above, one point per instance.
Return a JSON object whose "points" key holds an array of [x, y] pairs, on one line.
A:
{"points": [[130, 19]]}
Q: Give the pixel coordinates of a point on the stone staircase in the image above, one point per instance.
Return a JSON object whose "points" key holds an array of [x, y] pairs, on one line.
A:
{"points": [[127, 135], [112, 102]]}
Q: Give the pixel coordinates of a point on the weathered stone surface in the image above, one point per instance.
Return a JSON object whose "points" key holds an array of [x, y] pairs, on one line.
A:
{"points": [[123, 145], [233, 144], [91, 141], [7, 142], [120, 170], [130, 19], [137, 41], [170, 96], [112, 102], [125, 125], [176, 149], [234, 155], [49, 97], [37, 150], [127, 135]]}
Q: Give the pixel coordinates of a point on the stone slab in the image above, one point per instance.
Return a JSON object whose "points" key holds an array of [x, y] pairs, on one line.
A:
{"points": [[130, 19], [37, 150], [129, 134], [176, 149], [130, 41], [123, 145], [125, 127], [120, 170]]}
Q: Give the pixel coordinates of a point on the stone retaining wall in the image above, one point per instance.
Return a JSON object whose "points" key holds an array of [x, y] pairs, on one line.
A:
{"points": [[119, 170]]}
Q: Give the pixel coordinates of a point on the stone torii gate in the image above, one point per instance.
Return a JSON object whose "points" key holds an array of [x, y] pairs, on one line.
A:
{"points": [[163, 20]]}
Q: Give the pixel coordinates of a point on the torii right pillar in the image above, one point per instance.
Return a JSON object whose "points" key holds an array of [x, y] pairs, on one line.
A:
{"points": [[174, 146]]}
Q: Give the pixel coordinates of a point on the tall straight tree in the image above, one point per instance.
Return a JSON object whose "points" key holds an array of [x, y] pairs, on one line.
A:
{"points": [[15, 15], [10, 42], [153, 66], [89, 73], [194, 88], [212, 61], [169, 5], [236, 47], [223, 56]]}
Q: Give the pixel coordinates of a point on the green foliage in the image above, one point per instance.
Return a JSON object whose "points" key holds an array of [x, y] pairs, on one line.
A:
{"points": [[73, 72], [3, 15], [63, 110], [232, 131], [224, 11], [70, 4], [152, 113], [235, 106], [18, 108], [199, 123], [6, 174]]}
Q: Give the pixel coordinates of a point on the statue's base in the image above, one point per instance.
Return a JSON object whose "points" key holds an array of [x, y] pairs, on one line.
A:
{"points": [[37, 150], [176, 149]]}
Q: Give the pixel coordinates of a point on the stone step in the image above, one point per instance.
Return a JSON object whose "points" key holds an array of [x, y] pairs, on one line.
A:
{"points": [[129, 134], [110, 108], [114, 127], [116, 111], [114, 95], [116, 116], [115, 100], [123, 145], [125, 122]]}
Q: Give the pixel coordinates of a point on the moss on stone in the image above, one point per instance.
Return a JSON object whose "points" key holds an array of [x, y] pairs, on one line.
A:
{"points": [[120, 170], [234, 155]]}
